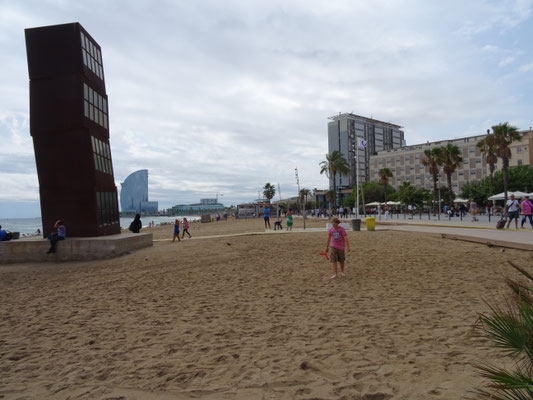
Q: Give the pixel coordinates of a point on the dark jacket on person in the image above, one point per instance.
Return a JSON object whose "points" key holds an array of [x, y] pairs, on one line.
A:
{"points": [[136, 224]]}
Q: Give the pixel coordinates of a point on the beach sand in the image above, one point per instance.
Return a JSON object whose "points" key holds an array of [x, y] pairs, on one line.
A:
{"points": [[253, 317]]}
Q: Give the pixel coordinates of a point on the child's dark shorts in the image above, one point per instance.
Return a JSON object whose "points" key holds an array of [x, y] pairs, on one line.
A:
{"points": [[336, 255]]}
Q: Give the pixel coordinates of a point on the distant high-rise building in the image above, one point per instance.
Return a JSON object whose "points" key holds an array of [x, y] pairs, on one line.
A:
{"points": [[134, 194], [358, 138]]}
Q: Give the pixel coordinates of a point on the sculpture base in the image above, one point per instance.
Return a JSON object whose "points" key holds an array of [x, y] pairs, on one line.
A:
{"points": [[72, 249]]}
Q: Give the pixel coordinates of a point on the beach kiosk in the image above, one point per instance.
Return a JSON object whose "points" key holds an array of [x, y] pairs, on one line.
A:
{"points": [[69, 124]]}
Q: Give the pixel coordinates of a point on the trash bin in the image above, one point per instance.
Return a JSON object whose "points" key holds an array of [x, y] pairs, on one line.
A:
{"points": [[370, 223], [356, 224], [16, 235]]}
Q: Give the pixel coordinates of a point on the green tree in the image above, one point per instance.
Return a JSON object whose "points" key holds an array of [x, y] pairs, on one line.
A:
{"points": [[349, 201], [408, 194], [487, 146], [384, 175], [476, 190], [520, 178], [505, 134], [303, 196], [269, 191], [432, 160], [451, 160], [374, 191], [334, 164], [509, 324]]}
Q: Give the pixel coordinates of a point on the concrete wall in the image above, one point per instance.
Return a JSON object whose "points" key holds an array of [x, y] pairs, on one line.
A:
{"points": [[72, 249]]}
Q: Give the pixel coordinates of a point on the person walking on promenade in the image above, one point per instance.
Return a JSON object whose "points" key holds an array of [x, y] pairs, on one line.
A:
{"points": [[59, 233], [462, 210], [489, 207], [339, 243], [136, 224], [512, 207], [266, 216], [176, 230], [186, 228], [290, 220], [526, 207], [473, 210]]}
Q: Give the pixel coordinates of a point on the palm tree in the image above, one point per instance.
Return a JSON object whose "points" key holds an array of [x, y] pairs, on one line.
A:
{"points": [[330, 195], [384, 175], [269, 191], [451, 160], [504, 135], [487, 146], [334, 164], [432, 159], [510, 327], [303, 195]]}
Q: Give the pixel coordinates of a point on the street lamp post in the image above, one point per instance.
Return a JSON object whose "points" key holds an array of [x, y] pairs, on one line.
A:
{"points": [[357, 143], [438, 215], [299, 194], [356, 185]]}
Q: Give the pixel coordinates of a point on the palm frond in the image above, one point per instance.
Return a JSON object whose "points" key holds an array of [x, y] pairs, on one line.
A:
{"points": [[521, 270], [510, 326], [506, 331]]}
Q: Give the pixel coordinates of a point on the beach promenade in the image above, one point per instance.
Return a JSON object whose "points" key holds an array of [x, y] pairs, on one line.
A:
{"points": [[481, 231]]}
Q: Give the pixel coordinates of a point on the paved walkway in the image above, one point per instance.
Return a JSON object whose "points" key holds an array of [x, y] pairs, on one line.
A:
{"points": [[481, 231]]}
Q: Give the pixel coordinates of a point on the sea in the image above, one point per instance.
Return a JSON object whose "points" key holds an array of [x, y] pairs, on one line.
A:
{"points": [[29, 226]]}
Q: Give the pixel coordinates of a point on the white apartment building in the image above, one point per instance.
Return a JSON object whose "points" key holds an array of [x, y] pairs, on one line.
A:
{"points": [[406, 165]]}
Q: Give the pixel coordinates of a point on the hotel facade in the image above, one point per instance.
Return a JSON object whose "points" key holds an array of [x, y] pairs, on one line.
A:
{"points": [[406, 165]]}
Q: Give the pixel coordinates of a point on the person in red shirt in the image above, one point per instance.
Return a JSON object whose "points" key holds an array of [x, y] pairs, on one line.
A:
{"points": [[338, 241]]}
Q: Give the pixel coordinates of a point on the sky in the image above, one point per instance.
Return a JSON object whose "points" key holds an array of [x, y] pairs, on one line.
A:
{"points": [[217, 98]]}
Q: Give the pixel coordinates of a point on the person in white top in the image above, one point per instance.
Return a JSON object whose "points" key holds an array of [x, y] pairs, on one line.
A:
{"points": [[513, 209]]}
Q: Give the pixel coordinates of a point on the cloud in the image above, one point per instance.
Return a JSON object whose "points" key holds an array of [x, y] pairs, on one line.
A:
{"points": [[222, 97], [506, 61], [526, 68]]}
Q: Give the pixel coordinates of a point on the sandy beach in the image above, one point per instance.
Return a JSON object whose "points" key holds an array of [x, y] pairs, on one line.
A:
{"points": [[253, 317]]}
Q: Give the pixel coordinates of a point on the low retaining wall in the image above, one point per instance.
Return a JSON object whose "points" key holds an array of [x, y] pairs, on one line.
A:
{"points": [[73, 249]]}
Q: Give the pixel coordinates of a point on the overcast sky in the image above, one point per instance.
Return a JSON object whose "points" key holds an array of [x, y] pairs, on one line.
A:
{"points": [[224, 96]]}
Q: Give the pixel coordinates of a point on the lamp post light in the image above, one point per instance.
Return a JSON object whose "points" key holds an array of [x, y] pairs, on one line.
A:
{"points": [[299, 194], [438, 215]]}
